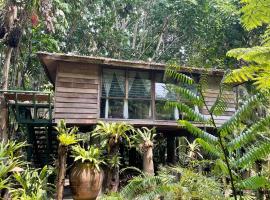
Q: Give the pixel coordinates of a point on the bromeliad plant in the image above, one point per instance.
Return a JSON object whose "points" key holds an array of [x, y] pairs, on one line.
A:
{"points": [[232, 151], [144, 141], [66, 137], [91, 155], [111, 136]]}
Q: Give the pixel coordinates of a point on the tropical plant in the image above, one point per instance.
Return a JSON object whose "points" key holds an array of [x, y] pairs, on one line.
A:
{"points": [[226, 147], [143, 140], [66, 137], [255, 60], [90, 155], [9, 160], [171, 183], [34, 184], [111, 135]]}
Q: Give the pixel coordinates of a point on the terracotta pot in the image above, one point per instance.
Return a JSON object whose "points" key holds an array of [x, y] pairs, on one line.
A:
{"points": [[85, 181]]}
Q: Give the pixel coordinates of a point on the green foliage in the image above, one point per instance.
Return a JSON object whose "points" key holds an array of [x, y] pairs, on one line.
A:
{"points": [[90, 155], [144, 138], [34, 184], [255, 13], [66, 136], [9, 159], [254, 183], [112, 133], [233, 148], [171, 183]]}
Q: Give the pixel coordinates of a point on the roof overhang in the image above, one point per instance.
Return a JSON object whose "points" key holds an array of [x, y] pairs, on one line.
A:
{"points": [[51, 60]]}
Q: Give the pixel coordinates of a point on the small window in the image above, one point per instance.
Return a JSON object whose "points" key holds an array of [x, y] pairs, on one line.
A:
{"points": [[139, 109]]}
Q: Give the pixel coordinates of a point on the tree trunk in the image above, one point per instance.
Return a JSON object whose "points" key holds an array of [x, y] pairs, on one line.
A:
{"points": [[3, 120], [113, 172], [148, 164], [6, 68], [113, 179], [62, 159], [3, 106]]}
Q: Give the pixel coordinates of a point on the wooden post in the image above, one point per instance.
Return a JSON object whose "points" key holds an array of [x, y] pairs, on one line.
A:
{"points": [[171, 156], [4, 119]]}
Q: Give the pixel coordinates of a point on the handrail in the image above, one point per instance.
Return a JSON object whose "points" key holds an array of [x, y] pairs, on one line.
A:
{"points": [[25, 91]]}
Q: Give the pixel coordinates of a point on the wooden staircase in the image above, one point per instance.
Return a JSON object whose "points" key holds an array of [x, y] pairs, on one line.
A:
{"points": [[43, 145], [33, 111]]}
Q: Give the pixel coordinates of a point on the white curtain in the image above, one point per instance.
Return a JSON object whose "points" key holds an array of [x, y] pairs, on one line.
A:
{"points": [[147, 85], [107, 80], [131, 78], [120, 76], [176, 113]]}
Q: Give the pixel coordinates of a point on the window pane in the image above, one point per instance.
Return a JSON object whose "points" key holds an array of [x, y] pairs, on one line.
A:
{"points": [[115, 108], [113, 83], [139, 84], [139, 109], [163, 113], [163, 91]]}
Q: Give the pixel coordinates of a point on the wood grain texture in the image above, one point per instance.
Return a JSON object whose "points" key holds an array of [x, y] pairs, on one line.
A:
{"points": [[76, 93]]}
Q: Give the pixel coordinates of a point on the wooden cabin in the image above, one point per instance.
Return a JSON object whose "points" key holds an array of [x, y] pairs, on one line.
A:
{"points": [[89, 89]]}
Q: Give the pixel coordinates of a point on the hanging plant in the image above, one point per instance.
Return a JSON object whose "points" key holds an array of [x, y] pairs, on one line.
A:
{"points": [[14, 37]]}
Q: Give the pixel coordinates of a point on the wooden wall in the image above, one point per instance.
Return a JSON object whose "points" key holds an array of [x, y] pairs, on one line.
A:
{"points": [[77, 93], [211, 95], [77, 89]]}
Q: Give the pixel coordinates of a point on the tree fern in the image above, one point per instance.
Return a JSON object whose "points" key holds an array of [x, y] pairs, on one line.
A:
{"points": [[214, 150], [254, 183], [242, 113], [198, 132], [173, 72], [253, 153], [255, 13], [249, 134]]}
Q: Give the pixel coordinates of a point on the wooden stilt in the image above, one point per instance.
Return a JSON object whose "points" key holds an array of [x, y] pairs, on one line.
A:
{"points": [[171, 153]]}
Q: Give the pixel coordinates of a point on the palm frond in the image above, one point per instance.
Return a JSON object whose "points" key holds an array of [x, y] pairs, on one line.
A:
{"points": [[210, 148]]}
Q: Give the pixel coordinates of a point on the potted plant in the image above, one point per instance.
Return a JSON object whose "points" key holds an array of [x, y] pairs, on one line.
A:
{"points": [[86, 175], [111, 136]]}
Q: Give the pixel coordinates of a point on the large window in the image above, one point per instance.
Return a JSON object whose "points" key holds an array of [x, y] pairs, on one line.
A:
{"points": [[139, 95], [126, 94], [130, 94]]}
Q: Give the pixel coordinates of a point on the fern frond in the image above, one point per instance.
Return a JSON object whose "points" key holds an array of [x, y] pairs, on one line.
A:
{"points": [[242, 113], [198, 132], [188, 95], [266, 37], [241, 75], [249, 134], [190, 113], [210, 148], [221, 165], [255, 13], [253, 154], [221, 103], [254, 183], [173, 72], [258, 54]]}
